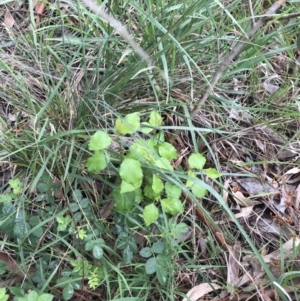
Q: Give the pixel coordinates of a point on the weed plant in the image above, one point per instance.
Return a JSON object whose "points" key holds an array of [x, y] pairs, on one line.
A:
{"points": [[94, 199]]}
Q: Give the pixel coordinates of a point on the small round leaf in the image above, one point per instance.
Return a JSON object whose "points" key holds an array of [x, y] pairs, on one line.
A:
{"points": [[196, 161], [100, 140]]}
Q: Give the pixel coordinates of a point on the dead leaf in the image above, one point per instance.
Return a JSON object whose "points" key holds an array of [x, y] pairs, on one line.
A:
{"points": [[288, 249], [270, 88], [255, 186], [233, 267], [200, 290], [269, 226], [242, 200], [39, 8], [14, 267], [9, 21], [289, 151], [245, 212]]}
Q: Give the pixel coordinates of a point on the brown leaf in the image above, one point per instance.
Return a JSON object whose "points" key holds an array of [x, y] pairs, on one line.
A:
{"points": [[14, 267], [39, 8], [233, 266], [200, 290], [9, 21], [11, 263]]}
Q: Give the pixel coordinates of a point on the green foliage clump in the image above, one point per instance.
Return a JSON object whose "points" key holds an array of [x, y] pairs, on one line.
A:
{"points": [[143, 169]]}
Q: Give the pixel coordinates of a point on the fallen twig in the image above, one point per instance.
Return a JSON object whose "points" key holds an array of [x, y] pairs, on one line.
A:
{"points": [[121, 29]]}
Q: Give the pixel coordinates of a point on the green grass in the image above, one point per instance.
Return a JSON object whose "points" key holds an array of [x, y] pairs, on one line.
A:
{"points": [[70, 74]]}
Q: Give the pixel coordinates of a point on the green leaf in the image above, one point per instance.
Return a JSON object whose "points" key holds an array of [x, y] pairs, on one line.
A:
{"points": [[127, 187], [6, 197], [172, 191], [68, 291], [150, 214], [151, 266], [42, 187], [32, 296], [298, 41], [172, 206], [196, 161], [192, 175], [142, 150], [180, 229], [167, 150], [16, 185], [162, 268], [89, 245], [146, 252], [45, 297], [100, 140], [3, 267], [212, 173], [97, 252], [158, 247], [124, 202], [21, 229], [162, 273], [129, 124], [74, 207], [147, 129], [97, 162], [131, 172], [17, 291], [157, 184], [3, 295], [155, 118], [198, 191], [127, 255], [149, 192], [77, 195], [163, 163]]}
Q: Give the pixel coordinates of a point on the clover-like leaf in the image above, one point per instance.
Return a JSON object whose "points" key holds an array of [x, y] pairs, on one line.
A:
{"points": [[68, 291], [199, 191], [172, 191], [155, 118], [163, 163], [16, 185], [150, 214], [167, 150], [172, 206], [157, 184], [127, 187], [212, 173], [196, 161], [129, 125], [131, 173], [100, 140], [97, 162], [146, 252], [151, 266], [124, 202], [97, 252], [192, 175], [147, 128]]}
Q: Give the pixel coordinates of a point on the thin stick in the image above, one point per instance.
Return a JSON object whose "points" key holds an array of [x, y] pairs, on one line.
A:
{"points": [[121, 29], [251, 12], [231, 56]]}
